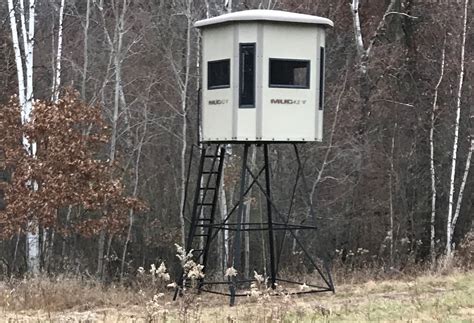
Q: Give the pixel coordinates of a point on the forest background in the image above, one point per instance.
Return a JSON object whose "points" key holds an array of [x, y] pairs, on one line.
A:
{"points": [[391, 181]]}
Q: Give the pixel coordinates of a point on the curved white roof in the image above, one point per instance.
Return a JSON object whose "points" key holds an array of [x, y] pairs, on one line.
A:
{"points": [[266, 15]]}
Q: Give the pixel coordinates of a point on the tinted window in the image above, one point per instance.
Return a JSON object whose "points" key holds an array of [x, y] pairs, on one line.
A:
{"points": [[321, 78], [247, 76], [289, 73], [218, 74]]}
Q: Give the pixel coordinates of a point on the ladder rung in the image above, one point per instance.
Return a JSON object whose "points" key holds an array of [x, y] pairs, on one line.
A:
{"points": [[206, 204], [212, 156], [201, 235], [207, 188], [210, 172], [203, 219]]}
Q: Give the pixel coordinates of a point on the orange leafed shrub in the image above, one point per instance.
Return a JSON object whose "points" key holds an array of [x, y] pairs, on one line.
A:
{"points": [[70, 169]]}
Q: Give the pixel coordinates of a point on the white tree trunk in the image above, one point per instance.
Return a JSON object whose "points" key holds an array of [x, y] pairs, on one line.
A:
{"points": [[463, 186], [359, 41], [432, 165], [116, 49], [48, 239], [24, 65], [57, 76], [18, 57], [198, 88], [120, 31], [33, 231], [224, 234], [363, 53], [135, 189], [208, 9], [450, 224], [390, 234], [85, 50], [248, 207], [30, 42], [262, 233], [228, 5], [184, 125]]}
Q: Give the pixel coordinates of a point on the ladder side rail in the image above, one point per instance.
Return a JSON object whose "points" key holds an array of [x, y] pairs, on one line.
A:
{"points": [[201, 220], [194, 214], [213, 210]]}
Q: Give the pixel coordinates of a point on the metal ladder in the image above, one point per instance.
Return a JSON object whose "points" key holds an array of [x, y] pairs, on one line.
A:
{"points": [[204, 207]]}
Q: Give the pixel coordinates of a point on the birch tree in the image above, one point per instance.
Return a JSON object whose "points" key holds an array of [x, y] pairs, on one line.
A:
{"points": [[432, 160], [364, 52], [115, 43], [59, 51], [184, 88], [24, 51], [452, 218], [390, 234]]}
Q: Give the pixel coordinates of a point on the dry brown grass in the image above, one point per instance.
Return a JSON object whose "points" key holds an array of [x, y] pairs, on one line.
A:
{"points": [[429, 297], [62, 293]]}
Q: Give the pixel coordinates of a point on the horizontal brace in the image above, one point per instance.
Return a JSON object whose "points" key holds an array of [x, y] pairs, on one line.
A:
{"points": [[228, 282], [248, 227], [248, 294], [301, 284]]}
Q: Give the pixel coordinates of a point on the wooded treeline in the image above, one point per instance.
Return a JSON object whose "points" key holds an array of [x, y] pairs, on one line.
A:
{"points": [[399, 90]]}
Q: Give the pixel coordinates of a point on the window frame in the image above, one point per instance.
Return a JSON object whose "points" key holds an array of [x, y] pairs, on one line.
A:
{"points": [[217, 87], [283, 86], [254, 75]]}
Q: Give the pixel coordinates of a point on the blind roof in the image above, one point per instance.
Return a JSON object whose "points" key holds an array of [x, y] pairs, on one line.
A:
{"points": [[265, 15]]}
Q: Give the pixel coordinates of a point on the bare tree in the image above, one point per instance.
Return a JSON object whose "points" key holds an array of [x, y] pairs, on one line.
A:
{"points": [[117, 56], [451, 221], [136, 177], [432, 161]]}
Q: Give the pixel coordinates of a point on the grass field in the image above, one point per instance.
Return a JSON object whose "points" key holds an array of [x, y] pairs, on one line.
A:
{"points": [[425, 298]]}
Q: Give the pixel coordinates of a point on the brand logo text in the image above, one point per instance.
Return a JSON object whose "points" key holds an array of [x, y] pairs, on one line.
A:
{"points": [[287, 101], [218, 102]]}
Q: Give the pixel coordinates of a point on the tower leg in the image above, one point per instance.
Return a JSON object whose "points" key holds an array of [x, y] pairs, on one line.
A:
{"points": [[271, 244], [237, 240]]}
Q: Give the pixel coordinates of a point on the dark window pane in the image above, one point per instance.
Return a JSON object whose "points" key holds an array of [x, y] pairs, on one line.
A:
{"points": [[321, 78], [247, 76], [289, 73], [218, 74]]}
